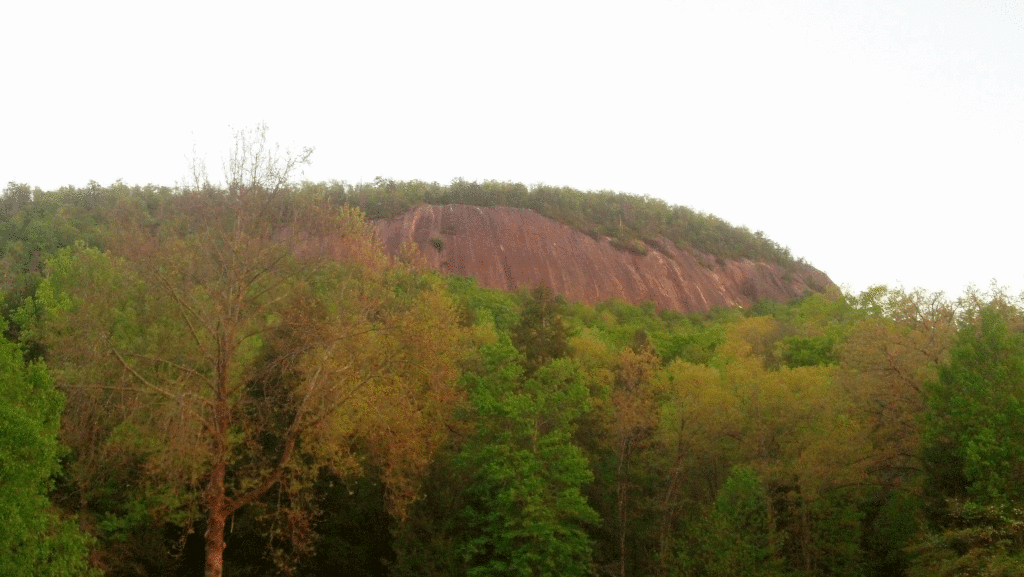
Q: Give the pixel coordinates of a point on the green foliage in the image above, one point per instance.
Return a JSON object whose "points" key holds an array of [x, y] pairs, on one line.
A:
{"points": [[893, 525], [739, 535], [798, 351], [672, 335], [975, 409], [427, 542], [34, 541], [502, 307], [810, 328], [525, 513], [636, 247], [974, 449], [985, 540], [834, 546], [352, 529], [541, 334]]}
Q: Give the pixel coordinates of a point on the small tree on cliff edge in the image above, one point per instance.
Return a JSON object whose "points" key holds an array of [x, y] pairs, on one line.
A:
{"points": [[240, 343]]}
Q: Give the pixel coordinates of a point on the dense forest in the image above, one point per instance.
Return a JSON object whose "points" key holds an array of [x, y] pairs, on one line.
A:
{"points": [[235, 380]]}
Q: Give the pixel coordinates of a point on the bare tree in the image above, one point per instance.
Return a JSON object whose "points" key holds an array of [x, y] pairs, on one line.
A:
{"points": [[254, 164]]}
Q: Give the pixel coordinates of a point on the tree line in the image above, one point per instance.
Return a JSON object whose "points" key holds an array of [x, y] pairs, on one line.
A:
{"points": [[37, 222]]}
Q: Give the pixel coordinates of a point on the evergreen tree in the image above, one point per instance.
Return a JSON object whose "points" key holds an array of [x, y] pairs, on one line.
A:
{"points": [[541, 334]]}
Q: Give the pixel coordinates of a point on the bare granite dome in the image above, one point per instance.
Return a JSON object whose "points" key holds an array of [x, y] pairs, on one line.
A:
{"points": [[508, 248]]}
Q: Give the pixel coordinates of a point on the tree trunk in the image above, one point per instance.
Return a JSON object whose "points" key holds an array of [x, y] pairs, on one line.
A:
{"points": [[623, 488], [668, 513], [216, 491], [215, 523]]}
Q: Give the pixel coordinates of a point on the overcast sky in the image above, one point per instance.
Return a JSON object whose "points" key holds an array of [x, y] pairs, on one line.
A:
{"points": [[882, 140]]}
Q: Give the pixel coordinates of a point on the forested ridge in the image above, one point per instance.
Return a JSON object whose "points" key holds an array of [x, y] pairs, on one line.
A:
{"points": [[235, 380], [37, 221], [632, 222]]}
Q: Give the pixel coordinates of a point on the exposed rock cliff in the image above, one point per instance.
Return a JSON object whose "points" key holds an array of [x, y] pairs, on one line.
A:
{"points": [[508, 248]]}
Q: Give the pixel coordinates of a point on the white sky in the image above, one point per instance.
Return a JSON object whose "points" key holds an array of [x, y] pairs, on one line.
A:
{"points": [[882, 140]]}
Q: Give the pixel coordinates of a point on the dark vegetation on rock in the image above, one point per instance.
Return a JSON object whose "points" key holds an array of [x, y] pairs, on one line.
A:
{"points": [[629, 222]]}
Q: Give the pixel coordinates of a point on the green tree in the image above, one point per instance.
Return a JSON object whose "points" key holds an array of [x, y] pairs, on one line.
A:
{"points": [[974, 412], [974, 450], [541, 334], [740, 536], [526, 512], [35, 541]]}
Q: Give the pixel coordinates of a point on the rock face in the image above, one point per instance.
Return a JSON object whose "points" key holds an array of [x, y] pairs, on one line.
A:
{"points": [[508, 248]]}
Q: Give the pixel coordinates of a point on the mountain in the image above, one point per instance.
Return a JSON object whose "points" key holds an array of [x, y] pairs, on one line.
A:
{"points": [[508, 248]]}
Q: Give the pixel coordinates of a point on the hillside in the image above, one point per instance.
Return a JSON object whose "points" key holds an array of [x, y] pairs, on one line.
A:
{"points": [[629, 221], [507, 248], [589, 247]]}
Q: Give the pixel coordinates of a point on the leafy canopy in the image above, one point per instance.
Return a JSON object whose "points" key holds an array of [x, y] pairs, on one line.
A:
{"points": [[34, 540]]}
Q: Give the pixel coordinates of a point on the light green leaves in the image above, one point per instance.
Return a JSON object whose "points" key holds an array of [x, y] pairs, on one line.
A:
{"points": [[526, 511], [33, 541]]}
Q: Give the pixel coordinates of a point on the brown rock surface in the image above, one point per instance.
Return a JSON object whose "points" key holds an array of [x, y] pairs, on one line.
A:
{"points": [[508, 248]]}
